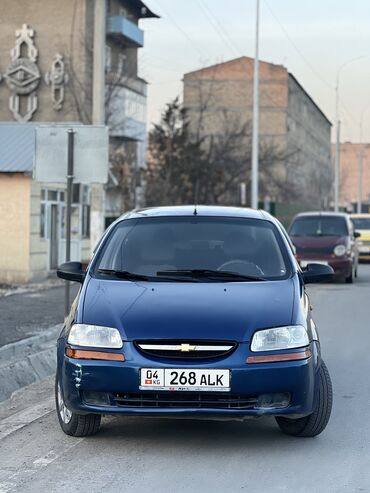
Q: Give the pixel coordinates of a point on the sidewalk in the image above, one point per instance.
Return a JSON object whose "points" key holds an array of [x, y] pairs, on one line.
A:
{"points": [[31, 320], [30, 310]]}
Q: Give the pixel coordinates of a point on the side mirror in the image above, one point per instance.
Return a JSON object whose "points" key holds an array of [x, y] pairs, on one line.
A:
{"points": [[317, 273], [71, 271], [357, 234]]}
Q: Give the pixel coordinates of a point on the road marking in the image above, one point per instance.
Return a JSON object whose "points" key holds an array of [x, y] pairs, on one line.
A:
{"points": [[23, 418]]}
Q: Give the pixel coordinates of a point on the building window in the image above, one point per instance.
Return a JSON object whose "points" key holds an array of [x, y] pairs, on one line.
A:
{"points": [[52, 195], [121, 63], [85, 211], [76, 193], [108, 58], [123, 12], [43, 220], [85, 221]]}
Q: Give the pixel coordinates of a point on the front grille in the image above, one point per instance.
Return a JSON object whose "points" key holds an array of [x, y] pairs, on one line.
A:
{"points": [[313, 250], [198, 400], [186, 349]]}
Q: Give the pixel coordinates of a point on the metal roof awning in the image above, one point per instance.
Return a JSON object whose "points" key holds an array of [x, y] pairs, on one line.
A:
{"points": [[142, 10], [17, 147]]}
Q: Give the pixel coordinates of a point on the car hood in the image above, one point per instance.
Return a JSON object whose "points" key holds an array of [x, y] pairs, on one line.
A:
{"points": [[170, 310]]}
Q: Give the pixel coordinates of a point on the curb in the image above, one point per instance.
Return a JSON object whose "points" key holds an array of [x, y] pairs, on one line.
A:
{"points": [[27, 361]]}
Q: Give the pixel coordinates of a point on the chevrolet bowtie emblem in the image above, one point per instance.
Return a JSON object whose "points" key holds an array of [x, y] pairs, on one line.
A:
{"points": [[185, 348]]}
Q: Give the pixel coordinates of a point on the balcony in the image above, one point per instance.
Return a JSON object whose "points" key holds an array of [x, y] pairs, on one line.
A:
{"points": [[125, 31], [126, 114]]}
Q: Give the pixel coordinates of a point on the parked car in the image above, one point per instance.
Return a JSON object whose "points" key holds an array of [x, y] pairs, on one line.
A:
{"points": [[197, 312], [361, 223], [327, 238]]}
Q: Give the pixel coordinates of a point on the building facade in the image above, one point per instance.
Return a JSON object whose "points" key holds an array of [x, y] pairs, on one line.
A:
{"points": [[290, 121], [47, 74], [350, 188]]}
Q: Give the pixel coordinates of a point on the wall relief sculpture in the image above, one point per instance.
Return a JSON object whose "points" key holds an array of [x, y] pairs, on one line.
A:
{"points": [[23, 77], [56, 78]]}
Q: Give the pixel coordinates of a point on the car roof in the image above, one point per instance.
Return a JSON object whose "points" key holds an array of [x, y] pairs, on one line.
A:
{"points": [[321, 213], [363, 214], [199, 210]]}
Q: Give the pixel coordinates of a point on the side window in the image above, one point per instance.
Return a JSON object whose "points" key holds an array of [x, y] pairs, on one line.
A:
{"points": [[283, 230]]}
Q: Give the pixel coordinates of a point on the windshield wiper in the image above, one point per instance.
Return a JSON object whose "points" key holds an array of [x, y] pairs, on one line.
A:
{"points": [[210, 274], [124, 274], [133, 276]]}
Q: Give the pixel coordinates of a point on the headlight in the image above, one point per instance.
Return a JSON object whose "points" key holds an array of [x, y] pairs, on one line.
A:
{"points": [[94, 336], [293, 336], [339, 250]]}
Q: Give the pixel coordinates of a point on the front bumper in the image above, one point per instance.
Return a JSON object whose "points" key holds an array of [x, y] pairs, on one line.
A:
{"points": [[298, 379]]}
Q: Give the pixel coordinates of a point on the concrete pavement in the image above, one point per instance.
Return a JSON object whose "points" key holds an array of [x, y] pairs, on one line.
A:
{"points": [[29, 326], [161, 456], [30, 313]]}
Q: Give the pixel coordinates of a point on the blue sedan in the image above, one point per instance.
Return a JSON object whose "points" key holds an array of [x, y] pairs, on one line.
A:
{"points": [[193, 312]]}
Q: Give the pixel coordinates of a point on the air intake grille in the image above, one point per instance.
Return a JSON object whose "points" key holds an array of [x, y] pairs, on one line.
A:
{"points": [[312, 250], [202, 400], [186, 349]]}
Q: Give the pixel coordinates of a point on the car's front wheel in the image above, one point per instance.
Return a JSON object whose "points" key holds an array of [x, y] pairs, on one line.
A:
{"points": [[77, 425], [315, 423]]}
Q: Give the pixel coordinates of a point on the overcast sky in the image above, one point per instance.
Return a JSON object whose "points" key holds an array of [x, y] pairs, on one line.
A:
{"points": [[311, 38]]}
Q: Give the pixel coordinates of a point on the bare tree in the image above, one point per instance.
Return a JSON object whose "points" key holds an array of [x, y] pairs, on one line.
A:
{"points": [[187, 167], [120, 81]]}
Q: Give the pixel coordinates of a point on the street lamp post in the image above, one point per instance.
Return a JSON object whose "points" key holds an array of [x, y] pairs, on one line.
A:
{"points": [[359, 170], [337, 140], [360, 156], [255, 130]]}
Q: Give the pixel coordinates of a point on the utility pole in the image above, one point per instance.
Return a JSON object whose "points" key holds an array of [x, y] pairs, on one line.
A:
{"points": [[359, 178], [337, 123], [255, 134], [360, 157], [98, 109], [98, 115], [70, 171], [337, 169]]}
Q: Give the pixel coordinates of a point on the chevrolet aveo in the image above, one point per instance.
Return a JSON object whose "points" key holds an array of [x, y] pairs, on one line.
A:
{"points": [[193, 312]]}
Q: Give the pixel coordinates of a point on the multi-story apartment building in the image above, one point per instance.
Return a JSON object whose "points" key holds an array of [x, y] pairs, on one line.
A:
{"points": [[48, 74], [290, 121], [350, 188]]}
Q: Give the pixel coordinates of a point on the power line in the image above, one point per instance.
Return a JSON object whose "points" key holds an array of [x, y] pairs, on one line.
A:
{"points": [[180, 29], [217, 27], [303, 57]]}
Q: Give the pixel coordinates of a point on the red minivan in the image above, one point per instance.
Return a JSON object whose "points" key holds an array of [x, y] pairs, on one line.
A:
{"points": [[326, 238]]}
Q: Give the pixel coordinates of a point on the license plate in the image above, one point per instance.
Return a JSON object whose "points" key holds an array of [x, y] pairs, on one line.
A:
{"points": [[304, 263], [184, 379]]}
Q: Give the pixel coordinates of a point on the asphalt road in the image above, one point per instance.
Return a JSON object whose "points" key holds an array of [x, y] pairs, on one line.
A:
{"points": [[26, 314], [160, 456]]}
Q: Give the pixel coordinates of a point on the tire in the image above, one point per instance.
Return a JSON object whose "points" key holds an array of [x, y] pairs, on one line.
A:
{"points": [[315, 423], [73, 424], [349, 279]]}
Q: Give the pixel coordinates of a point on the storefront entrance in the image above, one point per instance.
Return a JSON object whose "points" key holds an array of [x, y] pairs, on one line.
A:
{"points": [[53, 215]]}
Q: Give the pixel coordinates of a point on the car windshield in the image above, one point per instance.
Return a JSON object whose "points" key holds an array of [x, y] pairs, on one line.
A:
{"points": [[361, 222], [319, 226], [193, 247]]}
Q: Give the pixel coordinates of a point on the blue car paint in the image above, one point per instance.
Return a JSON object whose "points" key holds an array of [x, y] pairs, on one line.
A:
{"points": [[220, 311], [170, 310]]}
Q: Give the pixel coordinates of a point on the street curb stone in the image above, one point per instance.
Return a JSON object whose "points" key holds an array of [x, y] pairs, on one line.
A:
{"points": [[27, 361]]}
